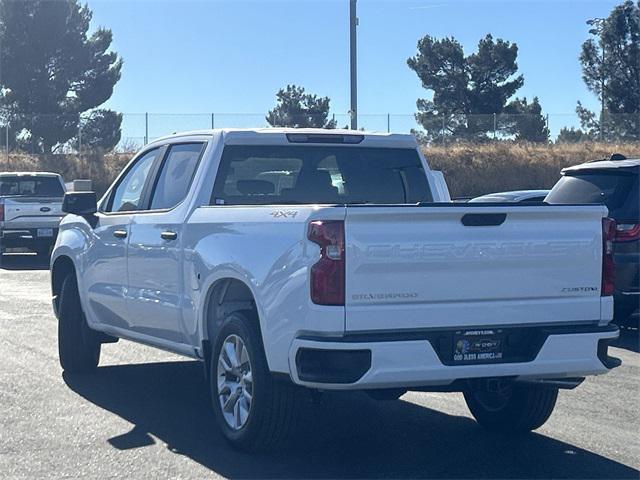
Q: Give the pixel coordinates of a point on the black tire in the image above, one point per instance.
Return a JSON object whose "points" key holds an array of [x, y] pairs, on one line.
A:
{"points": [[274, 403], [78, 345], [518, 408]]}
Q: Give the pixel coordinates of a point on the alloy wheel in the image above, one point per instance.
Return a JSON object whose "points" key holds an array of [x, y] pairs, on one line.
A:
{"points": [[235, 382]]}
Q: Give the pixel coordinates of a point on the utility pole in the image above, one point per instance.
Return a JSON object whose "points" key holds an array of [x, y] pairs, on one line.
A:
{"points": [[6, 117], [597, 25], [354, 63]]}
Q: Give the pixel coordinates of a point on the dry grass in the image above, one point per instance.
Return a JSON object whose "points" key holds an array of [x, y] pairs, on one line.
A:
{"points": [[473, 170], [470, 169], [100, 168]]}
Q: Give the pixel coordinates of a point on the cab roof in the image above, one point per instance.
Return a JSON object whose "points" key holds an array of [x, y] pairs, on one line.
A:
{"points": [[29, 174], [515, 195], [628, 164], [272, 136]]}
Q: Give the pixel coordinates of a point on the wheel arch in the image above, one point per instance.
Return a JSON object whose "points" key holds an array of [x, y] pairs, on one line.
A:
{"points": [[60, 269], [225, 296]]}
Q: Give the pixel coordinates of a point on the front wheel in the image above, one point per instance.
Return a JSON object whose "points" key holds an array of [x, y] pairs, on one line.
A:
{"points": [[509, 407], [254, 410], [78, 345]]}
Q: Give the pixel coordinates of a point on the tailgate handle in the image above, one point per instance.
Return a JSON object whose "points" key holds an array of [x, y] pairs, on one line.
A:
{"points": [[483, 219]]}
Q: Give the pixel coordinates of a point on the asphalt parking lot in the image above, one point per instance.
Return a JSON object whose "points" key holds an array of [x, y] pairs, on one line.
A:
{"points": [[144, 414]]}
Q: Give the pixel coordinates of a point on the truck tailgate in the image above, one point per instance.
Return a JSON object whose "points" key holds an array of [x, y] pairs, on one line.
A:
{"points": [[24, 211], [456, 265]]}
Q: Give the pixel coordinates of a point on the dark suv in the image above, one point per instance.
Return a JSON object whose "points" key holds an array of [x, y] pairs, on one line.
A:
{"points": [[614, 183]]}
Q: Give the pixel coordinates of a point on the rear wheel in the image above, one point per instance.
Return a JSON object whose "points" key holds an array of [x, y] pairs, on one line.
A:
{"points": [[78, 345], [510, 407], [254, 410]]}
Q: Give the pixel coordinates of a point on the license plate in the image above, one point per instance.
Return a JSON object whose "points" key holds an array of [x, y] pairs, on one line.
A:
{"points": [[478, 346], [45, 232]]}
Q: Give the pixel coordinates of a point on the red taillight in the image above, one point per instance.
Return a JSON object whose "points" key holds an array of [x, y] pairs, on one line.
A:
{"points": [[627, 232], [327, 274], [1, 212], [608, 266]]}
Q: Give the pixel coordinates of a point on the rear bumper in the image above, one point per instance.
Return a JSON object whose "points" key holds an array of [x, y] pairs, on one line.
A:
{"points": [[413, 362], [26, 237]]}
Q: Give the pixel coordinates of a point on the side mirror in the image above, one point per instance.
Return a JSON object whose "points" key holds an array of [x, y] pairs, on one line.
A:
{"points": [[80, 203]]}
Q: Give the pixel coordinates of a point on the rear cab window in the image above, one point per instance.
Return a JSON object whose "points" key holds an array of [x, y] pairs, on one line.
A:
{"points": [[617, 189], [272, 175], [176, 174], [30, 186]]}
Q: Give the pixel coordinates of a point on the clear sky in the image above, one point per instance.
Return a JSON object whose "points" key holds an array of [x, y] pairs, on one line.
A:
{"points": [[231, 56]]}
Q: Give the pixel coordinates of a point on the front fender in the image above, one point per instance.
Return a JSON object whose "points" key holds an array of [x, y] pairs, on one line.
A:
{"points": [[72, 242]]}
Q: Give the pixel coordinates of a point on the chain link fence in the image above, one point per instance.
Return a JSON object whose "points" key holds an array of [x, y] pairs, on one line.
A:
{"points": [[138, 129], [30, 134], [477, 153]]}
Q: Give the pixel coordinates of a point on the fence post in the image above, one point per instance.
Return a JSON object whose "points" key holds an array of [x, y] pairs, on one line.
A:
{"points": [[79, 140], [6, 139], [388, 123], [146, 128], [495, 126], [31, 141], [548, 128], [443, 127], [213, 121]]}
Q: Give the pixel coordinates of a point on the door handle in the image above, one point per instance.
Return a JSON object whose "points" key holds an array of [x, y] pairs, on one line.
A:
{"points": [[169, 235], [120, 234]]}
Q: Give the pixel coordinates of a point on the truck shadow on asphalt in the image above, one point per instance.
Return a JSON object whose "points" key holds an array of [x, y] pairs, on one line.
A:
{"points": [[346, 436], [22, 261]]}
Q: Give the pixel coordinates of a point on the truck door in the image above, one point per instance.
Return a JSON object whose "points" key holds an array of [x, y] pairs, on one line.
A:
{"points": [[105, 277], [155, 254]]}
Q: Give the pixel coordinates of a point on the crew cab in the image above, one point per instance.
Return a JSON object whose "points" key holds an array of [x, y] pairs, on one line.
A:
{"points": [[293, 260], [30, 210]]}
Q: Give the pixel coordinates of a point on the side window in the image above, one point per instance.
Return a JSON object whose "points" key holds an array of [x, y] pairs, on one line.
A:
{"points": [[176, 174], [128, 194]]}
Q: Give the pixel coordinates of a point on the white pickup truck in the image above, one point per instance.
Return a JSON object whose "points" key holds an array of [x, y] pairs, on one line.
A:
{"points": [[30, 210], [333, 260]]}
